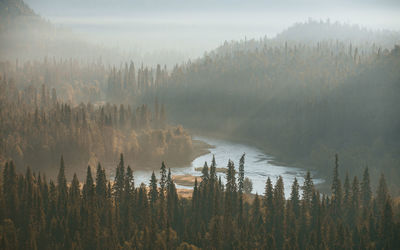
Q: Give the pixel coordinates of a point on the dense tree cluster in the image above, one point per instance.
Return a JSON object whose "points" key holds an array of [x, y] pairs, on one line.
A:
{"points": [[36, 125], [123, 83], [104, 214], [302, 102]]}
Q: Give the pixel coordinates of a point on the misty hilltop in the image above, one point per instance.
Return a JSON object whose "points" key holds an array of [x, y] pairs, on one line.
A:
{"points": [[316, 31], [26, 35]]}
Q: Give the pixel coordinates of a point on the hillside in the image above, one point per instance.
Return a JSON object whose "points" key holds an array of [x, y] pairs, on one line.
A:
{"points": [[301, 102], [317, 31], [25, 35]]}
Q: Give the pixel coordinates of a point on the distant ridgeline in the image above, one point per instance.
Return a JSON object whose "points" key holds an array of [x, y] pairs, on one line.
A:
{"points": [[100, 214], [36, 127]]}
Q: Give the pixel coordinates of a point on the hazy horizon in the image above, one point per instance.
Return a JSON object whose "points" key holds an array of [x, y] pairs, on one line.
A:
{"points": [[187, 29]]}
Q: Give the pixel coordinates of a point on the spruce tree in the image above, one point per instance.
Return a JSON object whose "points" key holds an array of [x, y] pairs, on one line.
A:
{"points": [[205, 175], [119, 180], [336, 190], [163, 180], [101, 183], [295, 198], [308, 188], [153, 192], [213, 171], [269, 205], [279, 212], [355, 202], [381, 193], [366, 193], [241, 174], [89, 188], [62, 188]]}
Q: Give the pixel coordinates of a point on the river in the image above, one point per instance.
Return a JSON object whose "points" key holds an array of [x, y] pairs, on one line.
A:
{"points": [[258, 165]]}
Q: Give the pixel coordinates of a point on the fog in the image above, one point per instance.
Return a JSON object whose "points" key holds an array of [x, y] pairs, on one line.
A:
{"points": [[178, 30]]}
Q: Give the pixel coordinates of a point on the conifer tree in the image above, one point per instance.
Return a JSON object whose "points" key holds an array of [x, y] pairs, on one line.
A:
{"points": [[205, 175], [355, 202], [295, 198], [241, 174], [153, 193], [101, 183], [62, 188], [381, 193], [269, 205], [230, 178], [279, 212], [336, 190], [74, 190], [386, 226], [366, 193], [10, 190], [163, 180], [89, 188], [213, 170], [308, 188], [119, 180]]}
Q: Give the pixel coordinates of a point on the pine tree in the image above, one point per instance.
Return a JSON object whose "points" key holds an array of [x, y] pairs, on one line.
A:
{"points": [[256, 224], [153, 193], [366, 192], [119, 180], [213, 170], [101, 183], [10, 190], [62, 188], [279, 212], [386, 226], [231, 188], [295, 198], [308, 189], [89, 188], [241, 174], [336, 190], [230, 178], [347, 198], [205, 175], [240, 189], [355, 202], [269, 204], [381, 194], [74, 190], [163, 180]]}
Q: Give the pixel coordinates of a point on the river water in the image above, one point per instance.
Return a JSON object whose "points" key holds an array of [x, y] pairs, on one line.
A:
{"points": [[258, 165]]}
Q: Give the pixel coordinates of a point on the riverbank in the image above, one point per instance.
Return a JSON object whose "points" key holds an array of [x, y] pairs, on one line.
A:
{"points": [[278, 158]]}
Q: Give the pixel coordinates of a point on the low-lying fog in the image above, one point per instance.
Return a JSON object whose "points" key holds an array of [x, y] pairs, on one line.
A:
{"points": [[180, 31]]}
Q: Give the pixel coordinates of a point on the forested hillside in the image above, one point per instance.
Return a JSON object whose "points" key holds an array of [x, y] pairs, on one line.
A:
{"points": [[37, 127], [314, 31], [301, 102]]}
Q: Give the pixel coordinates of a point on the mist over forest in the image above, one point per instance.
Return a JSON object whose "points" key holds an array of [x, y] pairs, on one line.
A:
{"points": [[199, 124]]}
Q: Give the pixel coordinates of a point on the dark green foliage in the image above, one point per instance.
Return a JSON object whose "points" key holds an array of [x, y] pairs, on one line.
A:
{"points": [[366, 193], [241, 174], [214, 218]]}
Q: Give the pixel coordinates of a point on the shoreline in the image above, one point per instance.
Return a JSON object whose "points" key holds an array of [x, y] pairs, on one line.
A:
{"points": [[277, 158], [200, 148]]}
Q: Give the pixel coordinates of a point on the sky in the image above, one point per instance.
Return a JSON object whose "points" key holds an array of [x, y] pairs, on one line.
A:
{"points": [[187, 28]]}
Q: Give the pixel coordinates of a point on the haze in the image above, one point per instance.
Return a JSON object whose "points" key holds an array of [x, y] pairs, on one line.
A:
{"points": [[186, 29]]}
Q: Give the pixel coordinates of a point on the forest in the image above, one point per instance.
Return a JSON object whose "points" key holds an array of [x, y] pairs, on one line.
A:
{"points": [[302, 102], [121, 214], [276, 125], [39, 125]]}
